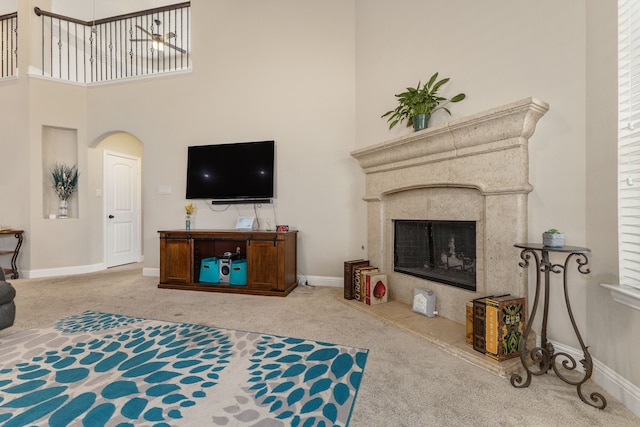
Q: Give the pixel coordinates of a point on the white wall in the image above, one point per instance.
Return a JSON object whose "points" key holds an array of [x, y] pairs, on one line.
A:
{"points": [[613, 328], [283, 71], [14, 150], [57, 243]]}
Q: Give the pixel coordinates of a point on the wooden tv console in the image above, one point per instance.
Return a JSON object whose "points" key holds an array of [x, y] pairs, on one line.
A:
{"points": [[271, 259]]}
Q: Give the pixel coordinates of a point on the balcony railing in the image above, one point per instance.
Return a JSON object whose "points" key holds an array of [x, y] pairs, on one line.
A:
{"points": [[8, 45], [137, 44]]}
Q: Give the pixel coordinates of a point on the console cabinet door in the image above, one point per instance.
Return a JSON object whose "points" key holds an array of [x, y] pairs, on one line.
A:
{"points": [[175, 261], [262, 264]]}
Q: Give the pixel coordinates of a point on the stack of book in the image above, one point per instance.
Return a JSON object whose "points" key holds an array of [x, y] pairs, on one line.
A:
{"points": [[364, 282], [495, 326]]}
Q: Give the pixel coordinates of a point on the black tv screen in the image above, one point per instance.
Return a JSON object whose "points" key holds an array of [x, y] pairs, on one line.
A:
{"points": [[239, 172]]}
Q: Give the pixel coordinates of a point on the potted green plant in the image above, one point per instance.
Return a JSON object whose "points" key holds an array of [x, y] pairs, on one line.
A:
{"points": [[417, 104], [553, 238]]}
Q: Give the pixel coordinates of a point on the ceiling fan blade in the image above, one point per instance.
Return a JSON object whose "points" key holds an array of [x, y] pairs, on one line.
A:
{"points": [[144, 31], [169, 35], [172, 46]]}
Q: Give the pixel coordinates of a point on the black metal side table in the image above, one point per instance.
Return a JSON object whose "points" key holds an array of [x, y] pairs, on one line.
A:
{"points": [[14, 253], [545, 356]]}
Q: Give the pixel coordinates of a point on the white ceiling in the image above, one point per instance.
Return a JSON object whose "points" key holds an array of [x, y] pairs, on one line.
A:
{"points": [[8, 6], [83, 9]]}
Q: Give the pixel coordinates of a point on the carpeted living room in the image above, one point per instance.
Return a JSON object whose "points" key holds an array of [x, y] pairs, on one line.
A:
{"points": [[106, 236], [407, 381]]}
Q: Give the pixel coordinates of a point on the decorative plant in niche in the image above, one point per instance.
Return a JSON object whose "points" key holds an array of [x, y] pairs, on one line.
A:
{"points": [[65, 180], [416, 105]]}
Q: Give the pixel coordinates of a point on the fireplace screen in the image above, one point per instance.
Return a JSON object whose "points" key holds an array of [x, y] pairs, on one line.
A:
{"points": [[442, 251]]}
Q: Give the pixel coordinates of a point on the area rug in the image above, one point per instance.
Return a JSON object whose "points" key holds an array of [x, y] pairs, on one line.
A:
{"points": [[101, 369]]}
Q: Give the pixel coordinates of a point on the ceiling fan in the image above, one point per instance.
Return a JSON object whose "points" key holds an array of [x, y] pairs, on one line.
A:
{"points": [[159, 40]]}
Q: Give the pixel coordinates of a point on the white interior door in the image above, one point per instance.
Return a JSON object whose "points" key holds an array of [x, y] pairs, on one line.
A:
{"points": [[122, 201]]}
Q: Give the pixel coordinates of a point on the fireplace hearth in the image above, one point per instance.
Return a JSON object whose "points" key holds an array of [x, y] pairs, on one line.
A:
{"points": [[474, 169], [441, 251]]}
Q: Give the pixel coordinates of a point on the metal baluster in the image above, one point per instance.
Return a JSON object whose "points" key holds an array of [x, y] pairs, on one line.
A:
{"points": [[103, 59], [84, 54], [15, 31], [131, 47], [122, 48], [92, 59], [2, 62], [113, 55], [75, 32], [43, 50], [59, 49], [64, 48], [188, 38]]}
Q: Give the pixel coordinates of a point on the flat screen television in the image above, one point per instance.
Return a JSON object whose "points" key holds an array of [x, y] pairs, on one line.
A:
{"points": [[241, 172]]}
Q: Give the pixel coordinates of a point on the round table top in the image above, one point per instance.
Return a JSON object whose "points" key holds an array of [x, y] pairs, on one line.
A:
{"points": [[541, 247]]}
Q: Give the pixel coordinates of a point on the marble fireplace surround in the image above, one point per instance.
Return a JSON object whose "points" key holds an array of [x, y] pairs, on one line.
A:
{"points": [[472, 169]]}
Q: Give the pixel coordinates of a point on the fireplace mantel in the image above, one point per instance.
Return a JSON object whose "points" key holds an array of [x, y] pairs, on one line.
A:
{"points": [[497, 130], [475, 168]]}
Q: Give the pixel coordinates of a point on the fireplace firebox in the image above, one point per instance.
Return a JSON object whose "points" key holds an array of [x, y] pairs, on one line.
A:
{"points": [[441, 251]]}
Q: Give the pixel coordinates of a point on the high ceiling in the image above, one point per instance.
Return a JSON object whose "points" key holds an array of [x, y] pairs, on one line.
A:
{"points": [[84, 9], [8, 6]]}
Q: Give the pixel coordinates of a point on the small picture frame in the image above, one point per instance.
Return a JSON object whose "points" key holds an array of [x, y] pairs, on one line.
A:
{"points": [[282, 228]]}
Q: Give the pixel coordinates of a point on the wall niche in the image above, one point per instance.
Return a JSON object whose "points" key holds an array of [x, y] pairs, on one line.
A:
{"points": [[59, 146]]}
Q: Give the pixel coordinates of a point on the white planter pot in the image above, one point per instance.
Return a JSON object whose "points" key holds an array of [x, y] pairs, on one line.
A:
{"points": [[555, 240]]}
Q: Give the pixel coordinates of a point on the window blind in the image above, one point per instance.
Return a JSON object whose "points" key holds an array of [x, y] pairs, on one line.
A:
{"points": [[629, 141]]}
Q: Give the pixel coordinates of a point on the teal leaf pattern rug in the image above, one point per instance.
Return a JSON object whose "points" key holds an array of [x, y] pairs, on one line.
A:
{"points": [[102, 369]]}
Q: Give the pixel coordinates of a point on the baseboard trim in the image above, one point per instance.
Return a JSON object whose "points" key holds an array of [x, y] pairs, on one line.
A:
{"points": [[151, 272], [616, 385], [335, 282], [619, 387], [302, 279], [64, 271]]}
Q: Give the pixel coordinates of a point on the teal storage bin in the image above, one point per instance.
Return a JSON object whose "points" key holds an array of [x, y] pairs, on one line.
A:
{"points": [[210, 270], [238, 275]]}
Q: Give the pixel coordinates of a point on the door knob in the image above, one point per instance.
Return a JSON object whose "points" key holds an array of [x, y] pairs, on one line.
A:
{"points": [[111, 217]]}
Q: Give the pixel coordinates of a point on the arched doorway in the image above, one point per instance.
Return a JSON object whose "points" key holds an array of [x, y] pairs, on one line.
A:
{"points": [[121, 192]]}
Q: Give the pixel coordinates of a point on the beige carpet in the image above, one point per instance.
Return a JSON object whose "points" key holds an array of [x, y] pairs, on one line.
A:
{"points": [[407, 382]]}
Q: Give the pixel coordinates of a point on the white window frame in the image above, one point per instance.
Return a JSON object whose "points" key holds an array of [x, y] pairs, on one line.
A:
{"points": [[629, 142]]}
